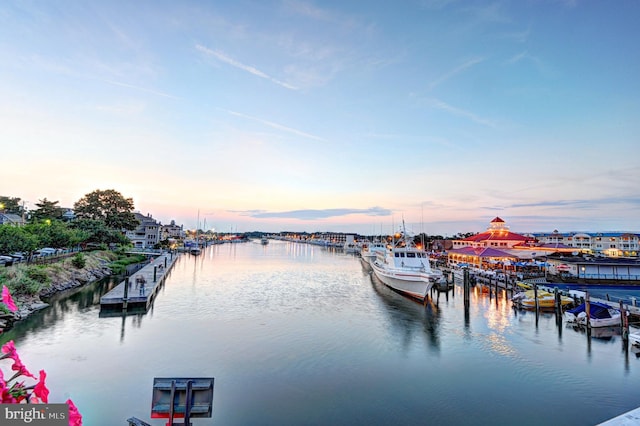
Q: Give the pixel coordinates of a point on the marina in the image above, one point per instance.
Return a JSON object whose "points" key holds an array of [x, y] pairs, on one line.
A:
{"points": [[301, 334]]}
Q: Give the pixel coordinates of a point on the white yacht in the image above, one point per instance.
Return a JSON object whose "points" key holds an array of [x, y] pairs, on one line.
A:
{"points": [[405, 268]]}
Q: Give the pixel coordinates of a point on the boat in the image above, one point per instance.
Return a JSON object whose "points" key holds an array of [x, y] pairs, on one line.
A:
{"points": [[264, 240], [404, 268], [600, 315], [634, 338], [195, 250], [369, 250], [527, 299]]}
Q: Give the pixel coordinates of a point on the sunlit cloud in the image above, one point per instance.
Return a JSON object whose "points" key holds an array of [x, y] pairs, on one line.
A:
{"points": [[583, 204], [275, 125], [312, 214], [248, 68]]}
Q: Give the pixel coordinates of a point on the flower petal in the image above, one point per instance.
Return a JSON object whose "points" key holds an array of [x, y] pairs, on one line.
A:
{"points": [[8, 300]]}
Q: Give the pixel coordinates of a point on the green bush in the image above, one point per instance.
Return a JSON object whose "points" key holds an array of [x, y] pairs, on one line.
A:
{"points": [[119, 266], [79, 261], [23, 284], [38, 274]]}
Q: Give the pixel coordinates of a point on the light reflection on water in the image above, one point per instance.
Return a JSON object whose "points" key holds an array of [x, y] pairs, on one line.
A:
{"points": [[295, 334]]}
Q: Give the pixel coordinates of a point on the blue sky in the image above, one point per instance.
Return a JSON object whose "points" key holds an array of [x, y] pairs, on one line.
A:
{"points": [[332, 115]]}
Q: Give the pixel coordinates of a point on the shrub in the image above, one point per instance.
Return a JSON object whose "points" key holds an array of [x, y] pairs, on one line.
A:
{"points": [[25, 285], [79, 261], [38, 273]]}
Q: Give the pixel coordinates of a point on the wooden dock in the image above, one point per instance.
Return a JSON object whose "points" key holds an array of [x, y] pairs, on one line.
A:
{"points": [[136, 293], [630, 418]]}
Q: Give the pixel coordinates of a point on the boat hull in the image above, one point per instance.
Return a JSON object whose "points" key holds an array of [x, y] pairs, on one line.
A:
{"points": [[413, 284]]}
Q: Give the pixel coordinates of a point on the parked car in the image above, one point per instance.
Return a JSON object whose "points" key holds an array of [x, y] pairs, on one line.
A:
{"points": [[6, 260], [47, 251], [18, 256]]}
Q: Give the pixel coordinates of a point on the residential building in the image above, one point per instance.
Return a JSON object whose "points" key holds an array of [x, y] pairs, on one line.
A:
{"points": [[610, 244], [172, 231], [11, 219], [147, 233]]}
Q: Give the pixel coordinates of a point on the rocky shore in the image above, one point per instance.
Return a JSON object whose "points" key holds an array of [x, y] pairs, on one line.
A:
{"points": [[64, 278]]}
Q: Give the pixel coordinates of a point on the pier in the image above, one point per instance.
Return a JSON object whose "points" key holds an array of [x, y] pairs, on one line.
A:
{"points": [[136, 293]]}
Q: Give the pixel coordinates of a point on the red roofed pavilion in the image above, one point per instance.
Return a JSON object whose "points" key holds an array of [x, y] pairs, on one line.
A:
{"points": [[497, 235]]}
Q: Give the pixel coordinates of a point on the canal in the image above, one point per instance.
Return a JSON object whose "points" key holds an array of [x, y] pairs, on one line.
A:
{"points": [[299, 335]]}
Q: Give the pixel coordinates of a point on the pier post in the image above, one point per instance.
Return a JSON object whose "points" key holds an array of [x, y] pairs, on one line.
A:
{"points": [[535, 295], [587, 306], [624, 323], [165, 262], [466, 285], [155, 273], [558, 305], [125, 298]]}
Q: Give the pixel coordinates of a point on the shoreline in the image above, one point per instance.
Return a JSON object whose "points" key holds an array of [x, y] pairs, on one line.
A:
{"points": [[75, 278]]}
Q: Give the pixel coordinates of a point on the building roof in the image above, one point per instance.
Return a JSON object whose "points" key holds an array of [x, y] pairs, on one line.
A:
{"points": [[500, 235], [481, 252], [498, 231]]}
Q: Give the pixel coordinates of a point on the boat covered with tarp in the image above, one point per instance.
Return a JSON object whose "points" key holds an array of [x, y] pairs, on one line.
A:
{"points": [[600, 315]]}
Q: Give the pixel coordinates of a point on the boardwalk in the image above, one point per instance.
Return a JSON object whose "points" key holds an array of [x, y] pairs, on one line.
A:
{"points": [[136, 293]]}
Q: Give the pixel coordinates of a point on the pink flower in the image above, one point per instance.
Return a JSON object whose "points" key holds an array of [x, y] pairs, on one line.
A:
{"points": [[75, 418], [40, 389], [10, 349], [8, 300], [19, 368], [5, 395]]}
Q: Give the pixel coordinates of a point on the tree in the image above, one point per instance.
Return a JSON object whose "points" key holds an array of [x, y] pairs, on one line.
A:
{"points": [[108, 206], [11, 205], [13, 239], [56, 234], [46, 210], [96, 231]]}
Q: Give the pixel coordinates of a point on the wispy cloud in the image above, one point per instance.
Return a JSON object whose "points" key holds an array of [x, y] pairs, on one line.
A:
{"points": [[583, 203], [315, 214], [307, 9], [438, 104], [453, 72], [248, 68], [275, 125], [489, 13], [141, 89]]}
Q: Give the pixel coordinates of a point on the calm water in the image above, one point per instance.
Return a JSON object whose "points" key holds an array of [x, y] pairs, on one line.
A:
{"points": [[298, 335]]}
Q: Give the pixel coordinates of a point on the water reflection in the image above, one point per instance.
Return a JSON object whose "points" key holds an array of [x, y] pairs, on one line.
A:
{"points": [[409, 317], [62, 305]]}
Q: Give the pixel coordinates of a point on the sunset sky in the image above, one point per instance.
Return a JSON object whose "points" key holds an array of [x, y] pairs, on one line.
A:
{"points": [[344, 116]]}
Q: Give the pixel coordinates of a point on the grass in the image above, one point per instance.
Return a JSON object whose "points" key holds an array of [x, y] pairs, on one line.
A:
{"points": [[30, 280]]}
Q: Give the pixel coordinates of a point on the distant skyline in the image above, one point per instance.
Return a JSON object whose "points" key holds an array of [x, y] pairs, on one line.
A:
{"points": [[328, 116]]}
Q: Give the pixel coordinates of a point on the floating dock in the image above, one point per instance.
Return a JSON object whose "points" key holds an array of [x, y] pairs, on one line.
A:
{"points": [[630, 418], [136, 293]]}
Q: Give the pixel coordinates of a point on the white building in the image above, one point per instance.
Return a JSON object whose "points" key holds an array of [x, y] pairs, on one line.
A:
{"points": [[611, 244], [147, 233], [172, 231]]}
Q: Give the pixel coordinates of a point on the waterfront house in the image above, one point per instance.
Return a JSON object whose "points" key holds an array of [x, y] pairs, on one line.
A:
{"points": [[11, 219], [147, 233], [172, 231]]}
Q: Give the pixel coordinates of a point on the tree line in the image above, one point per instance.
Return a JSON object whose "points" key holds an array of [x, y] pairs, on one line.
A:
{"points": [[100, 217]]}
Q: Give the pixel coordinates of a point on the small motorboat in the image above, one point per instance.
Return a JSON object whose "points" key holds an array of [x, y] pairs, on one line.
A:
{"points": [[634, 338], [526, 299], [600, 315]]}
